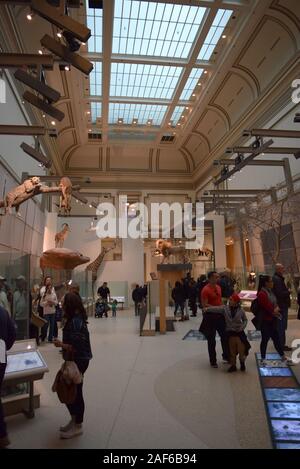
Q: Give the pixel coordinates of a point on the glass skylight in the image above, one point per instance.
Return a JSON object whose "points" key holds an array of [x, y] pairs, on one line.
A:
{"points": [[214, 34], [96, 79], [177, 114], [155, 29], [96, 110], [191, 83], [94, 22], [142, 112], [143, 81]]}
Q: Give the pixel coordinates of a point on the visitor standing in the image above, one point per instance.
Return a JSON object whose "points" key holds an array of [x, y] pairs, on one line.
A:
{"points": [[3, 295], [137, 298], [227, 285], [21, 310], [48, 302], [236, 322], [269, 313], [7, 339], [193, 297], [283, 298], [213, 318], [76, 346], [178, 295], [104, 292]]}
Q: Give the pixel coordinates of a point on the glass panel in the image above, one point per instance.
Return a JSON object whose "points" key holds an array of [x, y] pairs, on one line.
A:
{"points": [[94, 22], [284, 410], [96, 79], [191, 83], [164, 23], [142, 112], [177, 114], [96, 110], [275, 394], [143, 81], [214, 34], [286, 429]]}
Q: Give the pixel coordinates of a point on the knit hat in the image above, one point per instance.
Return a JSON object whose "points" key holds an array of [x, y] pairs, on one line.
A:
{"points": [[235, 297]]}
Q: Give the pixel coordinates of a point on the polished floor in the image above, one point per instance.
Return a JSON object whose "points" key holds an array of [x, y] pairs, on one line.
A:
{"points": [[152, 392]]}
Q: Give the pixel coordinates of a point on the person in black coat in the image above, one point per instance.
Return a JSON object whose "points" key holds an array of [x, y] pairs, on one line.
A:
{"points": [[7, 339], [201, 282], [193, 291], [283, 298], [137, 297], [178, 295]]}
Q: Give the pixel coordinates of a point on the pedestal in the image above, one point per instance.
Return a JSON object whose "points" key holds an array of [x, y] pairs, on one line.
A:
{"points": [[171, 273]]}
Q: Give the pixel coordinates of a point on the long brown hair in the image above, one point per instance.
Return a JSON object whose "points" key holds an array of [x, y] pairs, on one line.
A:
{"points": [[73, 306]]}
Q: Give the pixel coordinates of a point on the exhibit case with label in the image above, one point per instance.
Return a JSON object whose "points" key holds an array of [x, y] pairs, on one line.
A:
{"points": [[25, 365]]}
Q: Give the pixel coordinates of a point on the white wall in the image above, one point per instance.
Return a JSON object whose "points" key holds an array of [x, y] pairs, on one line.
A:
{"points": [[219, 240]]}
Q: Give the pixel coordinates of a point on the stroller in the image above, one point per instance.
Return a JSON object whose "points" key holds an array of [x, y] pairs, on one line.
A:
{"points": [[101, 308]]}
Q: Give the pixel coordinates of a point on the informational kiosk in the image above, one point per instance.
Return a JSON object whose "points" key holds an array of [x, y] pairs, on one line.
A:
{"points": [[171, 273], [25, 364]]}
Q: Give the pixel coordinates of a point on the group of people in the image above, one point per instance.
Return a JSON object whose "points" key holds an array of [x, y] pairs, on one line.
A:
{"points": [[75, 345], [229, 319], [186, 293], [104, 302]]}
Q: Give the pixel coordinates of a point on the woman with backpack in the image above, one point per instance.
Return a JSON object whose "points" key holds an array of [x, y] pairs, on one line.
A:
{"points": [[269, 315], [76, 346]]}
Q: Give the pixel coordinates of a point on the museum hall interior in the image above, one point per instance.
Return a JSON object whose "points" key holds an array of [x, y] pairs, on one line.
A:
{"points": [[150, 225]]}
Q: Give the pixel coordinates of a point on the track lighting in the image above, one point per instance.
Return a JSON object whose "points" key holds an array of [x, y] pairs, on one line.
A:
{"points": [[73, 44], [224, 171], [257, 143], [238, 159], [30, 16]]}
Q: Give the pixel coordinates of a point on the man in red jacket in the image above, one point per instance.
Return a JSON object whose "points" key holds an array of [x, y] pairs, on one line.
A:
{"points": [[213, 318]]}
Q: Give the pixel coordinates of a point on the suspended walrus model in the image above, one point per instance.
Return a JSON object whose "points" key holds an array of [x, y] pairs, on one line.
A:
{"points": [[62, 259]]}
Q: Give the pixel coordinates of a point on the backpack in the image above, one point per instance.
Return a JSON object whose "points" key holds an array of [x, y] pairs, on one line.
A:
{"points": [[256, 311]]}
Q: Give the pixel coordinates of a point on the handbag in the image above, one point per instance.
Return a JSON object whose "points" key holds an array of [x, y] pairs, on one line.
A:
{"points": [[37, 321], [66, 391]]}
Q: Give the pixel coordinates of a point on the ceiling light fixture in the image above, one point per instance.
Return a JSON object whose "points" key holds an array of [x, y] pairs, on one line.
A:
{"points": [[224, 36], [40, 52], [30, 16], [59, 34], [67, 68], [52, 122], [193, 95], [187, 107], [205, 71]]}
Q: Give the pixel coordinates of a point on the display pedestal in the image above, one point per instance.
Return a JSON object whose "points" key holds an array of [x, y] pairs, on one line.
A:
{"points": [[171, 273]]}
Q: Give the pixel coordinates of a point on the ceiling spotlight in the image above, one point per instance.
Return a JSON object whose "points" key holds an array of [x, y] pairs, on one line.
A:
{"points": [[88, 112], [187, 107], [30, 16], [67, 68], [134, 121], [77, 201], [182, 117], [199, 84], [224, 36], [52, 122], [149, 122], [178, 124], [40, 52], [205, 71], [238, 160], [59, 34], [169, 123], [44, 116], [193, 95], [224, 171], [90, 206], [256, 143], [90, 130]]}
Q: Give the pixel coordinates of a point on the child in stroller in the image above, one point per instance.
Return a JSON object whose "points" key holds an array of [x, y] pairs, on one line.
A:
{"points": [[101, 308]]}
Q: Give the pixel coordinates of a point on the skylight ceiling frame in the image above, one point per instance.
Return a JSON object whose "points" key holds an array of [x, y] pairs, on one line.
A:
{"points": [[107, 57]]}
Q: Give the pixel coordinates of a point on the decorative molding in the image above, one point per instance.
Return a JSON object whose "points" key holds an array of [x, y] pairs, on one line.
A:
{"points": [[285, 11]]}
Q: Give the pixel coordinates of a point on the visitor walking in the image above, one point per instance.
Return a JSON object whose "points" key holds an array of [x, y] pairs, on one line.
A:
{"points": [[213, 318], [193, 297], [104, 292], [178, 295], [283, 298], [236, 322], [269, 314], [76, 346], [48, 302], [137, 298], [7, 339]]}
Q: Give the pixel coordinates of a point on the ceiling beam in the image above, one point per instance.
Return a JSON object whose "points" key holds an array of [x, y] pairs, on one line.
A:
{"points": [[37, 155], [270, 151], [43, 106], [244, 163], [272, 133], [108, 22], [22, 130], [9, 60], [236, 191], [228, 162], [50, 93], [228, 198], [61, 20], [70, 57]]}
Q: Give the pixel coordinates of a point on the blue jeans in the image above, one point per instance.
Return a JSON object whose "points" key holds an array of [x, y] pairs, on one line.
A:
{"points": [[51, 323]]}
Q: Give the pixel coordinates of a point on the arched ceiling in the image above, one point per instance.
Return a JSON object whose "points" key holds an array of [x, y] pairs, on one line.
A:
{"points": [[197, 98]]}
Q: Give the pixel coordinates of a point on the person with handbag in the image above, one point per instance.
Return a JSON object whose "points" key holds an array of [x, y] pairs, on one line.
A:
{"points": [[7, 339], [270, 315], [77, 347]]}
